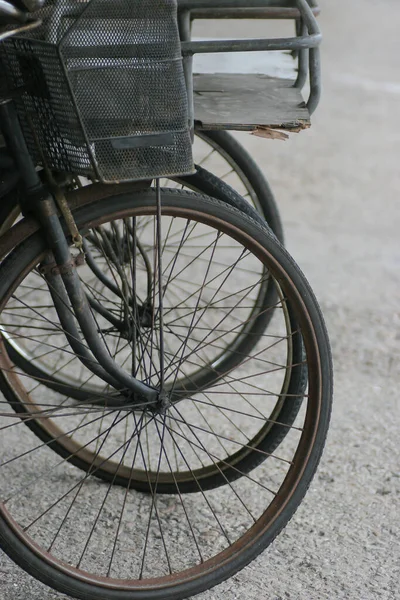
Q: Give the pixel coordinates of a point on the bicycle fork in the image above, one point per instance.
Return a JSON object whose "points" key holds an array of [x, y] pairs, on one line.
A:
{"points": [[59, 271]]}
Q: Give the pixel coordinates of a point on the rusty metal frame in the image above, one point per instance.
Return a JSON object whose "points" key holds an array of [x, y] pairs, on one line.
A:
{"points": [[304, 46], [264, 9]]}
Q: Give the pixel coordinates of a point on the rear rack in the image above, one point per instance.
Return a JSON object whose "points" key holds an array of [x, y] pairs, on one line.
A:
{"points": [[233, 9], [253, 101]]}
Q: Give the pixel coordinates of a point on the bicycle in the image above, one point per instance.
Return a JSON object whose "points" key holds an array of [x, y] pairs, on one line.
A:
{"points": [[171, 424], [249, 179]]}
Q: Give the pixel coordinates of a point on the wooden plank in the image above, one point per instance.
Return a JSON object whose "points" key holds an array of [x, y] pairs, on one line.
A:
{"points": [[248, 102]]}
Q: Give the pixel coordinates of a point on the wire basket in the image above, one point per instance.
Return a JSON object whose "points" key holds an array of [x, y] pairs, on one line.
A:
{"points": [[103, 89]]}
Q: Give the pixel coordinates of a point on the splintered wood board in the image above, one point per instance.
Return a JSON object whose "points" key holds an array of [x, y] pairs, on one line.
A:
{"points": [[248, 102]]}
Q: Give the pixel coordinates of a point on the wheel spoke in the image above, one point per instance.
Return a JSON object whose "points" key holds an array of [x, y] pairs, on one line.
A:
{"points": [[205, 307]]}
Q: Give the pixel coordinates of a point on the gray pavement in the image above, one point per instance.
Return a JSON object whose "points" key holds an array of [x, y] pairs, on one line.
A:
{"points": [[338, 187]]}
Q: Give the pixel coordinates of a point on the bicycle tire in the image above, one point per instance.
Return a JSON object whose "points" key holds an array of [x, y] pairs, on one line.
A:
{"points": [[296, 478]]}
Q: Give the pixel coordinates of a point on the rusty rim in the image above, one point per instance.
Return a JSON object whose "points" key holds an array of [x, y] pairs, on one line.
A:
{"points": [[297, 466]]}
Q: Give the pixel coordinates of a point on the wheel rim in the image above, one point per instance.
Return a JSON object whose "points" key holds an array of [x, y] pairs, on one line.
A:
{"points": [[290, 478]]}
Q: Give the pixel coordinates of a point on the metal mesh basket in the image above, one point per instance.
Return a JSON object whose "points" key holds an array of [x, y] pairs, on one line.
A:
{"points": [[104, 89]]}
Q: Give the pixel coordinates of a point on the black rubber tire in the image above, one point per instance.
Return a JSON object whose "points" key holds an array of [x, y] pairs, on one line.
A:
{"points": [[298, 478], [263, 197], [204, 182]]}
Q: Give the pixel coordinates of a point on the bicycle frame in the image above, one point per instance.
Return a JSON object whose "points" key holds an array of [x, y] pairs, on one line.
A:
{"points": [[305, 45]]}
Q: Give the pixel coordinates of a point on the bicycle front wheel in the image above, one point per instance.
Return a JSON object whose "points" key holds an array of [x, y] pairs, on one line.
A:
{"points": [[89, 538]]}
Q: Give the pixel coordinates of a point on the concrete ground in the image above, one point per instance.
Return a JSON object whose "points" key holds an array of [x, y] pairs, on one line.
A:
{"points": [[338, 188]]}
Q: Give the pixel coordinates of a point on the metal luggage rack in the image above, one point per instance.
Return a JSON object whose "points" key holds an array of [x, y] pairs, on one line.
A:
{"points": [[253, 101]]}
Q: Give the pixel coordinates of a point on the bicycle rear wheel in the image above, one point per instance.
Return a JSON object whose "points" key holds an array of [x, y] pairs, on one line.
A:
{"points": [[91, 539], [69, 384]]}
